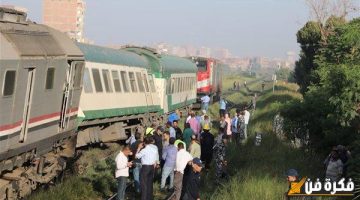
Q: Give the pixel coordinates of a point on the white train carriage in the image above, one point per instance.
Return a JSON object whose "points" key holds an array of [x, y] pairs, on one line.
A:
{"points": [[175, 78], [118, 95]]}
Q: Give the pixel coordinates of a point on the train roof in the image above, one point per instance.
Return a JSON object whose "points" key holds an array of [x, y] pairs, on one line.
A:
{"points": [[100, 54], [21, 37], [163, 65]]}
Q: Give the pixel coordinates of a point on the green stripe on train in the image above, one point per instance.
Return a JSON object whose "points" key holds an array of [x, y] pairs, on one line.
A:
{"points": [[173, 107], [98, 114]]}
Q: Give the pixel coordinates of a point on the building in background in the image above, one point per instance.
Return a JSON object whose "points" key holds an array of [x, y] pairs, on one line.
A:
{"points": [[66, 16], [21, 9]]}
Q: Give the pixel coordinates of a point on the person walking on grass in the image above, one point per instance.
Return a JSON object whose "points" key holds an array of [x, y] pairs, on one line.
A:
{"points": [[192, 185], [150, 160], [220, 159], [207, 144], [205, 100], [222, 103], [247, 118], [188, 133], [182, 159], [122, 171], [228, 122], [194, 148], [169, 156], [234, 127], [334, 166], [194, 124]]}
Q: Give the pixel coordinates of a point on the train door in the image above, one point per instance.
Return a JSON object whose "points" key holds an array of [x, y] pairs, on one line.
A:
{"points": [[148, 95], [27, 104], [67, 96]]}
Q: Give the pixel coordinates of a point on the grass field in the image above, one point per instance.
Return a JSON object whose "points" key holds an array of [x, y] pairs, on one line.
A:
{"points": [[256, 172]]}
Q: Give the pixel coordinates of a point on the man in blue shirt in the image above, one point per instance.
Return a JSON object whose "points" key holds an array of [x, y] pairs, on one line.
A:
{"points": [[171, 130], [222, 103], [149, 159], [169, 155], [205, 100]]}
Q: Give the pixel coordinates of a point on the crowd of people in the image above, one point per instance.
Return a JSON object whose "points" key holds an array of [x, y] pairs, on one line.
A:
{"points": [[175, 157]]}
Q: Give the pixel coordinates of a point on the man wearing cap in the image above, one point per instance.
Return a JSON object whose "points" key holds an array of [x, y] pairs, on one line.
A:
{"points": [[194, 148], [182, 159], [192, 185], [292, 176], [207, 143]]}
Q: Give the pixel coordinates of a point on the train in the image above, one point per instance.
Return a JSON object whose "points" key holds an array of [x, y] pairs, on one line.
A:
{"points": [[58, 95], [209, 77]]}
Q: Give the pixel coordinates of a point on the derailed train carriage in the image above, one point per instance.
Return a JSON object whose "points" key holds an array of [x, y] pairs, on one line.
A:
{"points": [[42, 116], [40, 70]]}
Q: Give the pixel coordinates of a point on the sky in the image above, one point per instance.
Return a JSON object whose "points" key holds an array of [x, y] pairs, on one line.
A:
{"points": [[245, 27]]}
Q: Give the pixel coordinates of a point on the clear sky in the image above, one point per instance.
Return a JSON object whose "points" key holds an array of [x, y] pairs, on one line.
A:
{"points": [[245, 27]]}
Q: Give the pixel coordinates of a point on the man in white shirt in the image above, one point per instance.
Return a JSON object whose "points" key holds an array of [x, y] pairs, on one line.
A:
{"points": [[247, 118], [122, 171], [149, 160], [205, 100], [182, 159]]}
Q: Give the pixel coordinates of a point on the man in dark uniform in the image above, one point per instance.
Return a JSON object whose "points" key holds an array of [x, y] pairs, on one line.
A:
{"points": [[178, 131], [207, 144], [220, 159], [192, 185]]}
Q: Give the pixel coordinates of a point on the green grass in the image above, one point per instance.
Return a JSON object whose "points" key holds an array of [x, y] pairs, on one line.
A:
{"points": [[257, 172]]}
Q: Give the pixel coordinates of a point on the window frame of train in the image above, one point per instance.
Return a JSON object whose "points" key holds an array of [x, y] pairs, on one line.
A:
{"points": [[87, 83], [97, 82], [49, 83], [146, 83], [116, 80], [125, 81], [151, 83], [78, 78], [132, 80], [13, 85], [140, 81], [107, 80]]}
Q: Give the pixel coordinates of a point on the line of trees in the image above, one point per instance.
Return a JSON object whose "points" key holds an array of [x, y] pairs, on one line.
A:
{"points": [[328, 73]]}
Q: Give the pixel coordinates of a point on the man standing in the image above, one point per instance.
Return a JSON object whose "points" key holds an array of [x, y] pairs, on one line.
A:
{"points": [[166, 138], [207, 144], [149, 159], [182, 159], [220, 159], [205, 100], [194, 148], [136, 162], [122, 171], [188, 133], [247, 118], [194, 124], [169, 156], [171, 129], [234, 127], [192, 185], [178, 131], [222, 103]]}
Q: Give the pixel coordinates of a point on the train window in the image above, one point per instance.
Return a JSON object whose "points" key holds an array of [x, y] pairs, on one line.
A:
{"points": [[78, 74], [9, 83], [125, 81], [140, 82], [187, 84], [152, 84], [201, 65], [97, 80], [107, 81], [172, 91], [178, 85], [132, 81], [116, 80], [87, 81], [50, 76], [146, 83]]}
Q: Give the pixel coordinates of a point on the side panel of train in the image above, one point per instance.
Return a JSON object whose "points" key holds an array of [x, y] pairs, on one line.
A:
{"points": [[180, 91], [116, 100]]}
